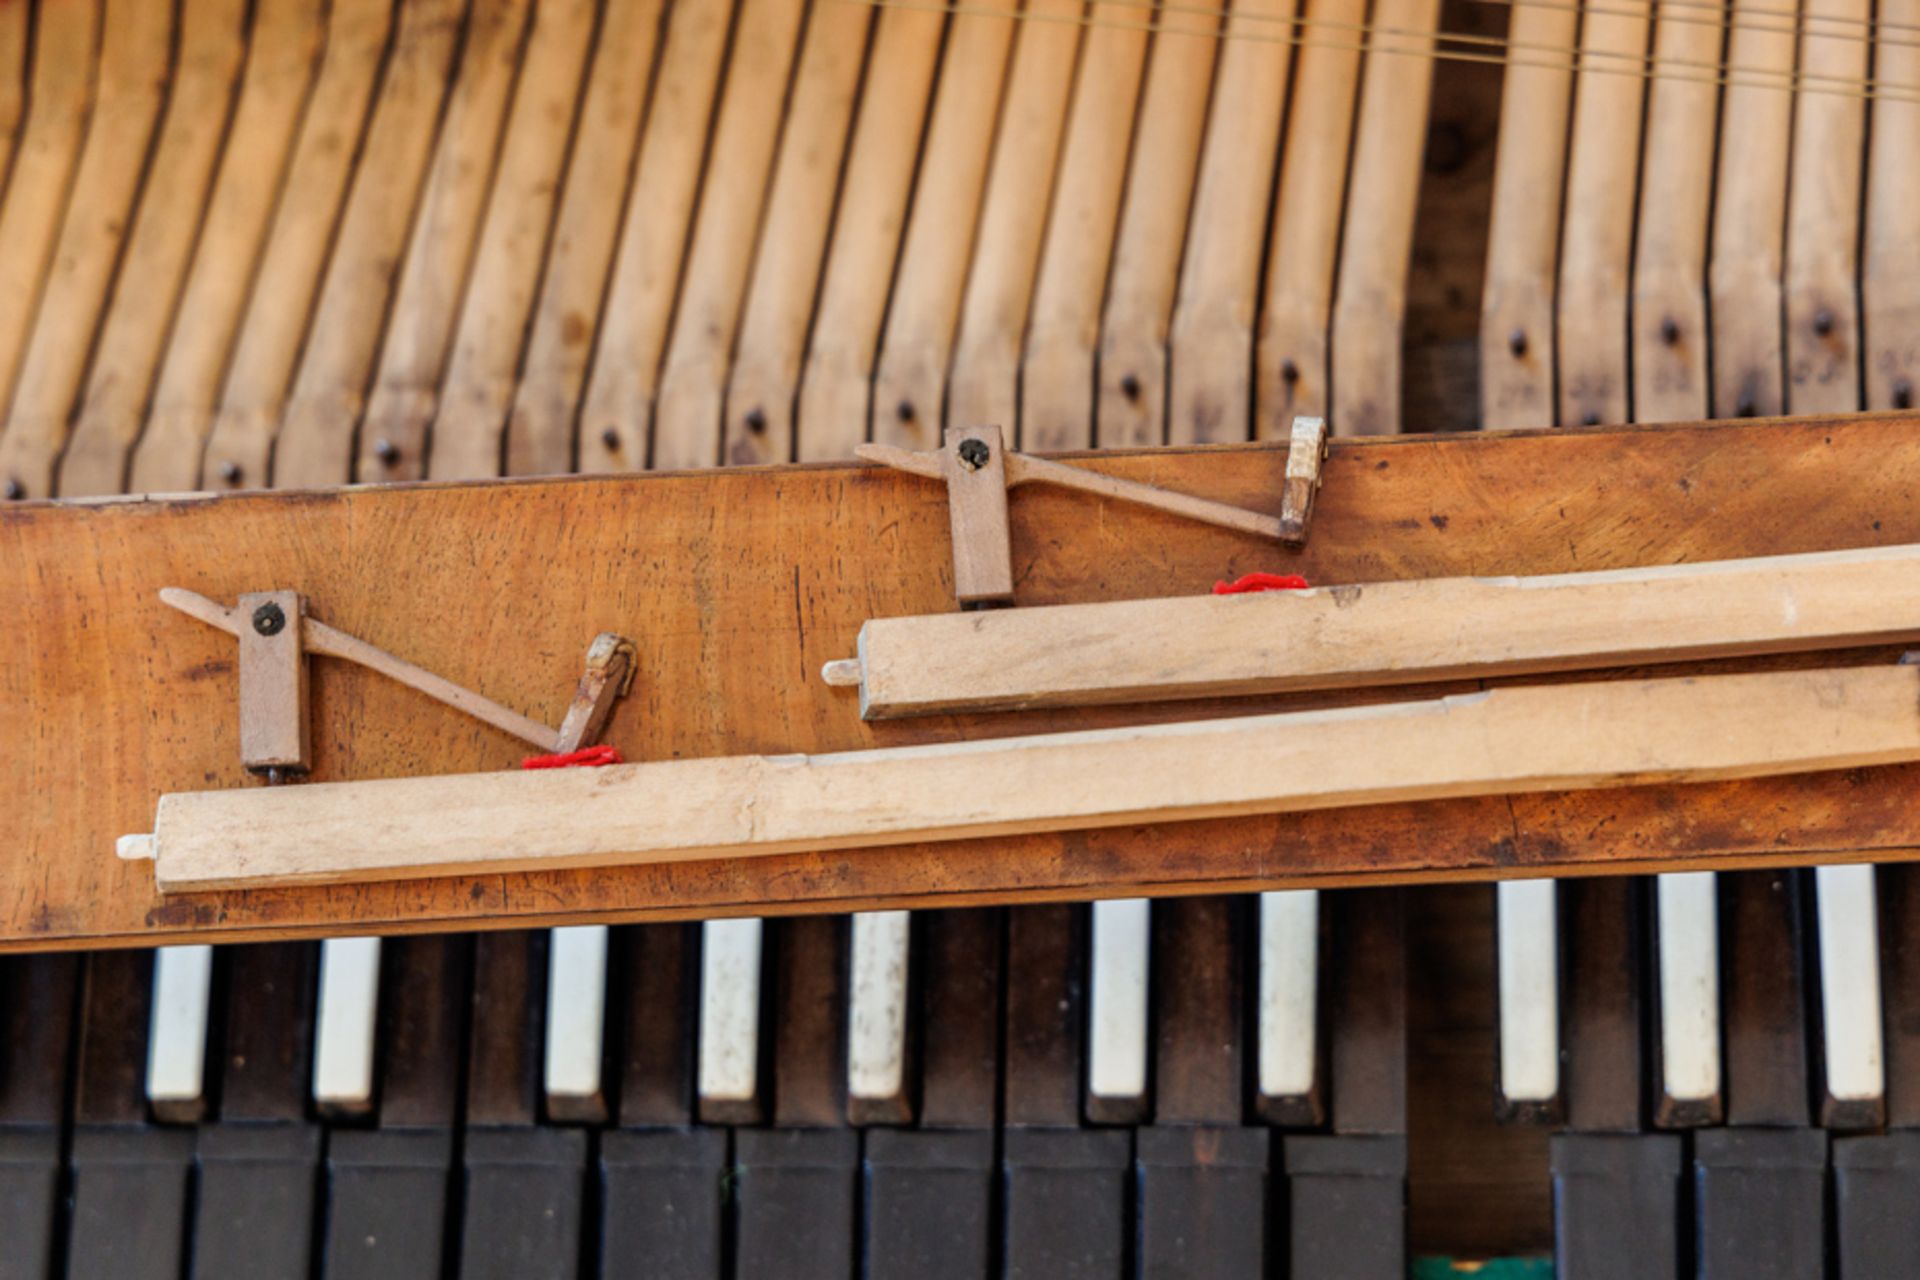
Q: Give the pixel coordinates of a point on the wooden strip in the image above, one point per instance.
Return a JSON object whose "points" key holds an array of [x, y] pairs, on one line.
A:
{"points": [[540, 431], [910, 382], [1670, 381], [1516, 307], [1295, 314], [1056, 384], [433, 280], [617, 416], [1376, 247], [1596, 241], [478, 391], [1749, 213], [649, 554], [1210, 384], [1504, 741], [59, 100], [983, 387], [282, 48], [315, 443], [838, 369], [786, 265], [135, 52], [1385, 633], [1146, 257], [1823, 214], [199, 100], [13, 75], [1891, 252], [686, 425]]}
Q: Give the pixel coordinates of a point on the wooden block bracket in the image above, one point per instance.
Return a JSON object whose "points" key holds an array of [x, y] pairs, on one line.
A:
{"points": [[979, 469]]}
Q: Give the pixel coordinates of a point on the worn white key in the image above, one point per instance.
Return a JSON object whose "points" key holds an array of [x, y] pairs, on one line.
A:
{"points": [[343, 1039], [1850, 984], [1689, 964], [729, 1052], [1117, 1009], [177, 1032], [877, 1018], [1289, 1000], [576, 1022], [1529, 975]]}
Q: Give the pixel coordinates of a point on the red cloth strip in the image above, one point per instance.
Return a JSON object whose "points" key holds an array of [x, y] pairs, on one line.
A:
{"points": [[586, 757], [1260, 582]]}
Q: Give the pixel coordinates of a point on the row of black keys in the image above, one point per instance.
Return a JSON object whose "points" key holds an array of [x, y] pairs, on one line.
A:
{"points": [[454, 1170]]}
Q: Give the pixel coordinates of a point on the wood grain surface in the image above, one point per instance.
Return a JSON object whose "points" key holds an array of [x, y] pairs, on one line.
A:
{"points": [[738, 584]]}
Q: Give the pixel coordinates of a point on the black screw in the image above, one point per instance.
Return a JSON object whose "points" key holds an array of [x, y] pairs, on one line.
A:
{"points": [[1517, 342], [1130, 386], [269, 620], [15, 490], [974, 453], [611, 439], [230, 472], [1823, 322], [757, 420], [1902, 394], [1746, 408], [1289, 372], [387, 451], [1670, 331], [904, 411], [1589, 419]]}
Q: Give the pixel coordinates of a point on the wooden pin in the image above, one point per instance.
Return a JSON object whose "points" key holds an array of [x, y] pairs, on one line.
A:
{"points": [[1306, 452], [974, 464]]}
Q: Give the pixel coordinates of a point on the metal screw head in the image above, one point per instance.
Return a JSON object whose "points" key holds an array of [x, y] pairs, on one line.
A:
{"points": [[1517, 342], [1823, 322], [1746, 408], [1589, 419], [610, 439], [230, 471], [14, 489], [1289, 372], [904, 411], [269, 619], [974, 453], [757, 421], [1130, 386], [1670, 331], [387, 451], [1902, 394]]}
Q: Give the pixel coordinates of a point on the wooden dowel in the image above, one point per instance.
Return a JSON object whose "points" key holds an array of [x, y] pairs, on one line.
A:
{"points": [[1509, 740]]}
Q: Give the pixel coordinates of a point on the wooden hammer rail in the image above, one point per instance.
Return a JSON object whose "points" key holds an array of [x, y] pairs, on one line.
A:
{"points": [[737, 586]]}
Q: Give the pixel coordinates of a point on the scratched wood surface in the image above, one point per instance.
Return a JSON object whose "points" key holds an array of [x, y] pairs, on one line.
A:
{"points": [[737, 585]]}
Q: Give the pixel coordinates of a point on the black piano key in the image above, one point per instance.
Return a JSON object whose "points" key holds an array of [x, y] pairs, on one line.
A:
{"points": [[656, 1009], [128, 1197], [960, 1018], [521, 1211], [1766, 1012], [1348, 1189], [1346, 1206], [1200, 996], [38, 997], [1046, 1015], [809, 1022], [1202, 1201], [662, 1197], [797, 1202], [1900, 991], [1065, 1196], [928, 1203], [1760, 1203], [523, 1204], [387, 1218], [265, 1068], [1616, 1205], [1604, 1056], [423, 1030], [1876, 1186], [254, 1206]]}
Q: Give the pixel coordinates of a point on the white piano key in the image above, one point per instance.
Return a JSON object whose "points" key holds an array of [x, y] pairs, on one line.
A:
{"points": [[1117, 982], [348, 1012], [177, 1032], [1850, 983], [1689, 963], [1289, 994], [729, 1051], [877, 1017], [576, 1022], [1528, 952]]}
